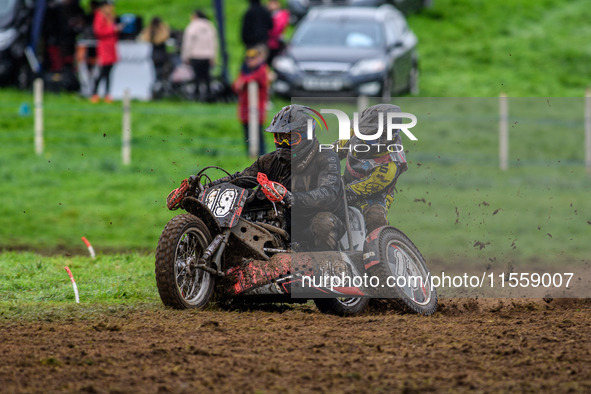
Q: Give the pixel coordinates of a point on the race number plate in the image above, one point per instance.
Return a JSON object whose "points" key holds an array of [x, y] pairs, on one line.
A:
{"points": [[225, 202]]}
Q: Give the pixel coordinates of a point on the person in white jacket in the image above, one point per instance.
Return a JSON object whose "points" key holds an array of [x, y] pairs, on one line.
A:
{"points": [[199, 49]]}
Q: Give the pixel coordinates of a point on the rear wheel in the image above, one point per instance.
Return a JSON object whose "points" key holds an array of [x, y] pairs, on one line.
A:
{"points": [[342, 306], [182, 243], [402, 267]]}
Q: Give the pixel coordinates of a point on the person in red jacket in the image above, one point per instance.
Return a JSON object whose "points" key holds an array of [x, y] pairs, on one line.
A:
{"points": [[280, 18], [254, 69], [106, 32]]}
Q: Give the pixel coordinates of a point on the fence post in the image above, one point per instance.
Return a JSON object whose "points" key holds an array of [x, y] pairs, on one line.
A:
{"points": [[253, 119], [38, 98], [126, 132], [362, 103], [588, 130], [503, 132]]}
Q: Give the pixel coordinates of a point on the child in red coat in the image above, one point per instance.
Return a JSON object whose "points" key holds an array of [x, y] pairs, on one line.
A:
{"points": [[254, 69]]}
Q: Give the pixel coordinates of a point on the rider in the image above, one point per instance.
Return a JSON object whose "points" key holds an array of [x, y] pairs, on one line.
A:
{"points": [[312, 178], [370, 176]]}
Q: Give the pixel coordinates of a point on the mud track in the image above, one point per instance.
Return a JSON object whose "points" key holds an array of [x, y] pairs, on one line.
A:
{"points": [[486, 345]]}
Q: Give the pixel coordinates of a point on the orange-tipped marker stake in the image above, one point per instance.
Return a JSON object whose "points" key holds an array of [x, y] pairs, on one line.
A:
{"points": [[89, 246], [73, 284]]}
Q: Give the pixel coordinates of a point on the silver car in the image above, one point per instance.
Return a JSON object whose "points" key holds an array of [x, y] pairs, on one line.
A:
{"points": [[349, 51]]}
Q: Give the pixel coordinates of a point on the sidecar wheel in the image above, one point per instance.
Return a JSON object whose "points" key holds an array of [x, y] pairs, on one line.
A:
{"points": [[183, 241], [341, 306], [404, 265]]}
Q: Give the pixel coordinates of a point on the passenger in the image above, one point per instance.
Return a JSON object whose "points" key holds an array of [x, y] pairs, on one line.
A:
{"points": [[370, 177]]}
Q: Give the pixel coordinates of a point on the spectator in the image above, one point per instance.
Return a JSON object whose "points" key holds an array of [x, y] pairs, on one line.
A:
{"points": [[254, 69], [71, 24], [199, 49], [51, 33], [106, 33], [157, 33], [256, 24], [280, 19]]}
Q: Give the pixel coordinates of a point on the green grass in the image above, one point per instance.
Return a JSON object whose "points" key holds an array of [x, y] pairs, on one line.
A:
{"points": [[523, 48], [79, 187], [29, 277], [452, 201]]}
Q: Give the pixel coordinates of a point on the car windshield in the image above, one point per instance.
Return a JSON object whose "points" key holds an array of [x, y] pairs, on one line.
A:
{"points": [[339, 33]]}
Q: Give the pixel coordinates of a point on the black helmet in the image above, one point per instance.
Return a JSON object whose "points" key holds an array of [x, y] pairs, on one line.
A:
{"points": [[291, 130], [369, 123]]}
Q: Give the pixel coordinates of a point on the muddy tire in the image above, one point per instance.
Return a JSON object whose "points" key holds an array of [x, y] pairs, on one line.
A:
{"points": [[342, 306], [399, 257], [183, 241]]}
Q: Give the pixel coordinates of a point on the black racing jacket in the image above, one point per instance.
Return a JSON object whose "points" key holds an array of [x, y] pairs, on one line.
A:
{"points": [[316, 187]]}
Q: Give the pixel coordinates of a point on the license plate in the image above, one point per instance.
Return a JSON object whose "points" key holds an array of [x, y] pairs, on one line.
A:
{"points": [[322, 84]]}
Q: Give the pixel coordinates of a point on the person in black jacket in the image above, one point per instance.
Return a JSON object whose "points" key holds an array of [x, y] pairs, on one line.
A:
{"points": [[313, 179], [256, 24]]}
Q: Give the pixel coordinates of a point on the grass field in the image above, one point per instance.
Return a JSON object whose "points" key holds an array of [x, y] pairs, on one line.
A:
{"points": [[453, 202]]}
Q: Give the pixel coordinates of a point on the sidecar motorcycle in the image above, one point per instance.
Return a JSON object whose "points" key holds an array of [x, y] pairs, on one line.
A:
{"points": [[234, 244]]}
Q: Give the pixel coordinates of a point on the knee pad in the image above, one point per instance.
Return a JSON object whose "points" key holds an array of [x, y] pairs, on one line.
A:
{"points": [[375, 216], [326, 228]]}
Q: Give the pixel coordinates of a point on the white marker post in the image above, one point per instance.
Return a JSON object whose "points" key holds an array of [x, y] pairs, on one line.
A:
{"points": [[126, 132], [38, 99], [89, 247], [73, 285], [253, 119], [503, 132], [588, 130]]}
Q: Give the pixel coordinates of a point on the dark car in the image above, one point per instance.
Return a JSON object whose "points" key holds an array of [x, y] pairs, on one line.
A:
{"points": [[349, 51], [299, 8], [15, 27]]}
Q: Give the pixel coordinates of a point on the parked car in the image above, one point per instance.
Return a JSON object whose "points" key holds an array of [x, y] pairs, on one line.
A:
{"points": [[299, 8], [15, 27], [349, 51]]}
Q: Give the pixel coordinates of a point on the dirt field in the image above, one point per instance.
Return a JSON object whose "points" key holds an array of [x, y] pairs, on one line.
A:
{"points": [[486, 345]]}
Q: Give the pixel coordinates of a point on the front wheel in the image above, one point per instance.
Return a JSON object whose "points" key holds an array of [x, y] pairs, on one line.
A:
{"points": [[341, 306], [405, 272], [182, 243]]}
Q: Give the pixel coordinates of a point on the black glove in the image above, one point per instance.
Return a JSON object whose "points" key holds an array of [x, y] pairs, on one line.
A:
{"points": [[288, 199], [192, 180]]}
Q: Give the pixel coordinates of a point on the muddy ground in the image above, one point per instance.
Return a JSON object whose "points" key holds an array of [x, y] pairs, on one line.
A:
{"points": [[486, 345]]}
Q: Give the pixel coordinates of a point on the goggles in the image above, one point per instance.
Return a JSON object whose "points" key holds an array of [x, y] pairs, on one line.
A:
{"points": [[288, 139]]}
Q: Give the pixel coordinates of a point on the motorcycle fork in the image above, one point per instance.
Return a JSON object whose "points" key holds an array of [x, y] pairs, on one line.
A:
{"points": [[216, 249]]}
